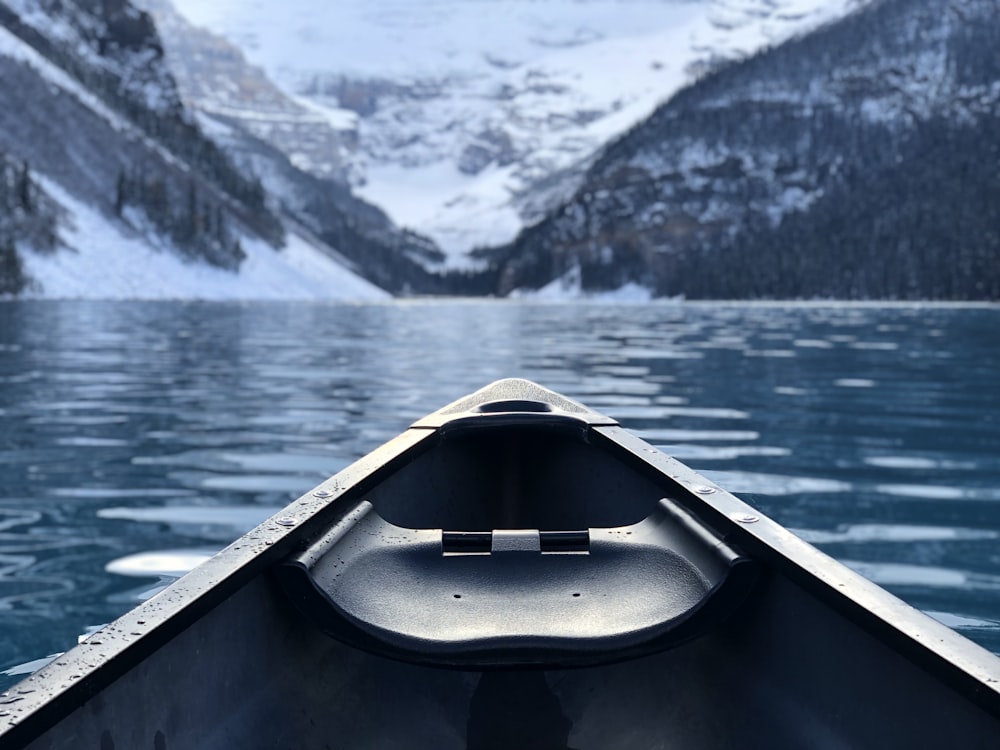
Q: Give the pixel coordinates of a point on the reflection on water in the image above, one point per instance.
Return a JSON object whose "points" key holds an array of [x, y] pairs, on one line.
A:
{"points": [[137, 438]]}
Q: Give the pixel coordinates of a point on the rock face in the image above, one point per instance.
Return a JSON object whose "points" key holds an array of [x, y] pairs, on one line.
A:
{"points": [[214, 79], [856, 161], [111, 39]]}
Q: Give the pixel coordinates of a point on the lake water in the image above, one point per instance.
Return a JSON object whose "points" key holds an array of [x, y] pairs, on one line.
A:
{"points": [[138, 438]]}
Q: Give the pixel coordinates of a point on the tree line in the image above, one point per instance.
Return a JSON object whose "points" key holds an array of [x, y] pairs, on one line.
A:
{"points": [[27, 216], [196, 224]]}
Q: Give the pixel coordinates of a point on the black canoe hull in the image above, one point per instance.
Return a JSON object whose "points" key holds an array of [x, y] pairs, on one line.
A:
{"points": [[809, 655]]}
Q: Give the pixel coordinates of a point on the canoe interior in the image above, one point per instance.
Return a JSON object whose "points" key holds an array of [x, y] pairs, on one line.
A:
{"points": [[515, 478], [784, 670], [476, 555], [786, 673]]}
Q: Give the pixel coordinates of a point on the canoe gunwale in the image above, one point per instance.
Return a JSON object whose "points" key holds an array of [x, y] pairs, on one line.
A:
{"points": [[964, 665], [57, 689]]}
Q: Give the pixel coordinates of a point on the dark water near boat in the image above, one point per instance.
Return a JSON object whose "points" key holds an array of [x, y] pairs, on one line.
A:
{"points": [[138, 438]]}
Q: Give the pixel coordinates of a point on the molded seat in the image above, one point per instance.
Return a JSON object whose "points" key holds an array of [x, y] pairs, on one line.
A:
{"points": [[517, 596]]}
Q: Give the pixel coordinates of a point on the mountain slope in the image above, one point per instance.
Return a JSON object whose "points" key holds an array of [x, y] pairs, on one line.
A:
{"points": [[857, 161], [471, 118], [296, 153], [93, 134], [98, 262]]}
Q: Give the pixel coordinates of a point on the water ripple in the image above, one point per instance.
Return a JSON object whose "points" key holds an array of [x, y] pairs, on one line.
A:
{"points": [[899, 533]]}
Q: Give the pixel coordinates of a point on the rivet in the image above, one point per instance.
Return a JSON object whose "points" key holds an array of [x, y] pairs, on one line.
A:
{"points": [[704, 490], [286, 522], [322, 494], [745, 517]]}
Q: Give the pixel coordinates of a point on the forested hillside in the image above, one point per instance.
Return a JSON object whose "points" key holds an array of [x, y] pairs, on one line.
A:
{"points": [[859, 161], [87, 103]]}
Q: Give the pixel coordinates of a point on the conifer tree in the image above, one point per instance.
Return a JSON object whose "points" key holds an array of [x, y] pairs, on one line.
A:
{"points": [[121, 189], [24, 189], [12, 279]]}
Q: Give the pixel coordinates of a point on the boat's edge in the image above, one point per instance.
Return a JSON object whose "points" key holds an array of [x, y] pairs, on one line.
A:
{"points": [[512, 397], [44, 698], [948, 655]]}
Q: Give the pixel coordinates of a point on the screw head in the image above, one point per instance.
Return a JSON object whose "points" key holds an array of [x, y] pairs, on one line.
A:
{"points": [[322, 494], [744, 517], [704, 489], [286, 521]]}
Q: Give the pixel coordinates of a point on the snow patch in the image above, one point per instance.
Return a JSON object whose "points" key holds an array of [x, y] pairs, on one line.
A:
{"points": [[567, 288], [106, 261]]}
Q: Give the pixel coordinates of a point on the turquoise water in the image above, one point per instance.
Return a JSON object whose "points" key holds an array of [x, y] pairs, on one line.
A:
{"points": [[138, 438]]}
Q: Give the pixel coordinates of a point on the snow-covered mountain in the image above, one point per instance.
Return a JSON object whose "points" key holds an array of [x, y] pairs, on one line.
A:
{"points": [[109, 189], [775, 148], [860, 160], [467, 119]]}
